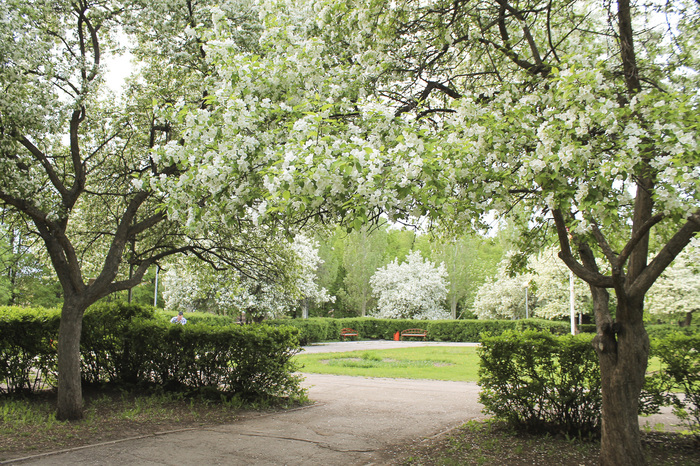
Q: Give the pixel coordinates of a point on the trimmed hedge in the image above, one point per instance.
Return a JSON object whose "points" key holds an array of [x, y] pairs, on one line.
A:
{"points": [[680, 371], [319, 329], [205, 318], [27, 348], [128, 344], [541, 382]]}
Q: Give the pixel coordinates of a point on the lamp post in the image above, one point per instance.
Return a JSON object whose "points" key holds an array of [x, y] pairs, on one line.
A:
{"points": [[155, 293], [527, 308], [571, 303]]}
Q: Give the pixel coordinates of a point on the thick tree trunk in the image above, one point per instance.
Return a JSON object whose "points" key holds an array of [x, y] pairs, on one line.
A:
{"points": [[623, 350], [70, 395]]}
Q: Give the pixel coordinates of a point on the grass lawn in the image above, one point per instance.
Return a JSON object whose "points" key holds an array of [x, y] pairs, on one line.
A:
{"points": [[429, 362]]}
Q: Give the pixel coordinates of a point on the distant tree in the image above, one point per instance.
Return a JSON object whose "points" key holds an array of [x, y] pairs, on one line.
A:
{"points": [[677, 292], [501, 296], [549, 285], [191, 285], [365, 252], [468, 261], [414, 289]]}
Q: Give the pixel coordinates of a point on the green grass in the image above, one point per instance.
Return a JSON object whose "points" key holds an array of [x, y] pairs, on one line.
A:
{"points": [[434, 362]]}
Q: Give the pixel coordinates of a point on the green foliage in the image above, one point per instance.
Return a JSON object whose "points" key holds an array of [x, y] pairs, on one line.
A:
{"points": [[204, 318], [323, 329], [105, 344], [127, 345], [253, 361], [541, 382], [680, 370], [661, 331], [425, 362], [27, 349]]}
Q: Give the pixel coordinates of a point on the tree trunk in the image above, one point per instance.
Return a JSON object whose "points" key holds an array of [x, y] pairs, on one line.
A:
{"points": [[70, 395], [623, 350], [688, 319]]}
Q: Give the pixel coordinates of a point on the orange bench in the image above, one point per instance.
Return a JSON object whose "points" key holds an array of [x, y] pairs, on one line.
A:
{"points": [[414, 332], [348, 332]]}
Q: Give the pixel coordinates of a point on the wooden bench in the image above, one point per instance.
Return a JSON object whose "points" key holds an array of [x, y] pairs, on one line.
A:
{"points": [[348, 332], [414, 332]]}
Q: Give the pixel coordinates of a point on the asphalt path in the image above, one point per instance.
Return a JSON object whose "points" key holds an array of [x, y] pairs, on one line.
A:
{"points": [[353, 420]]}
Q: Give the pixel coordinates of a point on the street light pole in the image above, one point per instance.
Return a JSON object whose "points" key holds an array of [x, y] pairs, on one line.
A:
{"points": [[571, 303]]}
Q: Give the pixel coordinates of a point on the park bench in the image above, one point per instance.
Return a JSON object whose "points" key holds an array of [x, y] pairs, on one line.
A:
{"points": [[414, 332], [348, 332]]}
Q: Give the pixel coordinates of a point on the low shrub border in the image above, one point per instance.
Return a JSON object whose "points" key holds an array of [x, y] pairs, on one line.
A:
{"points": [[541, 382], [128, 345]]}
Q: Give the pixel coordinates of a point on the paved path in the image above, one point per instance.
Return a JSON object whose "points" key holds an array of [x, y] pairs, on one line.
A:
{"points": [[354, 420]]}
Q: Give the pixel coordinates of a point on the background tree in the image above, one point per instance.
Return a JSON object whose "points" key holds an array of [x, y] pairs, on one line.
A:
{"points": [[549, 282], [677, 292], [365, 252], [190, 286], [413, 289], [502, 296], [469, 260]]}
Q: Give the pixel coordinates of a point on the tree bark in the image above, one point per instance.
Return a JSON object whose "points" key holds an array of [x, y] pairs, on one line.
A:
{"points": [[70, 396], [622, 367]]}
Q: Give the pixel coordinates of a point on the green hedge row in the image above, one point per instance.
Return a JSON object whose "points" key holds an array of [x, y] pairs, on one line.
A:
{"points": [[319, 329], [128, 344], [542, 382], [680, 372], [27, 348]]}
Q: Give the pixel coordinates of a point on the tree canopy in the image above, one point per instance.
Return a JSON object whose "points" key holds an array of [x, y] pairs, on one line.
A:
{"points": [[582, 114]]}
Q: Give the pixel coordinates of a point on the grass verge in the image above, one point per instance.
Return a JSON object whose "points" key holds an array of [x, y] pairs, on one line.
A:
{"points": [[432, 362], [489, 442]]}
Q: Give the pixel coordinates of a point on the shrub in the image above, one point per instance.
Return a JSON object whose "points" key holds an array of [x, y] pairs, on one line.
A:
{"points": [[125, 344], [680, 370], [107, 353], [252, 361], [541, 382], [27, 348]]}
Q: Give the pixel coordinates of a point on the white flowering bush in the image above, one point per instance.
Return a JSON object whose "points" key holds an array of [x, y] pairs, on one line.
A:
{"points": [[413, 289], [502, 297]]}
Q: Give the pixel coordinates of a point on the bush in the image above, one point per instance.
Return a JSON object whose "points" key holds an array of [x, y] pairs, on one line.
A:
{"points": [[252, 361], [661, 331], [541, 382], [319, 329], [126, 344], [680, 370], [27, 348], [197, 318], [106, 349]]}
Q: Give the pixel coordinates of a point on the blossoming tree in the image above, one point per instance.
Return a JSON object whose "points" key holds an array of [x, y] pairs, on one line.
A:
{"points": [[677, 291], [77, 165], [413, 289], [191, 286], [584, 114]]}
